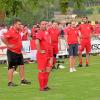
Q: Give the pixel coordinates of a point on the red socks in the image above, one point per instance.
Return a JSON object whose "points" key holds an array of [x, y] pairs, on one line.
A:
{"points": [[41, 78], [81, 62], [86, 61], [46, 78]]}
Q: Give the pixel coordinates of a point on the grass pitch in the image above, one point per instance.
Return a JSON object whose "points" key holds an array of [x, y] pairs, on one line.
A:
{"points": [[81, 85]]}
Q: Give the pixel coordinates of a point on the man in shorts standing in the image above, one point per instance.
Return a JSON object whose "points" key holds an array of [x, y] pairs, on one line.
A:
{"points": [[85, 31], [14, 45], [44, 56], [54, 33], [72, 41]]}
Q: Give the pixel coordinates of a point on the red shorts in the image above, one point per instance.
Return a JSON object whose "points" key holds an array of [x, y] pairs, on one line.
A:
{"points": [[85, 44], [50, 54], [55, 48], [43, 61]]}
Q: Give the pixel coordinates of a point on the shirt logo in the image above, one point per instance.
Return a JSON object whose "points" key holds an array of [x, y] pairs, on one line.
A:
{"points": [[46, 33], [88, 27]]}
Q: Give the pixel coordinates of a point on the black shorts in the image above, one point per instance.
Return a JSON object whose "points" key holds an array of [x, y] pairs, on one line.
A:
{"points": [[73, 49], [14, 59]]}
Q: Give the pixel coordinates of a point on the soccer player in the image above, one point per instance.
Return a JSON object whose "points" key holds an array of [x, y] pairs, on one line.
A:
{"points": [[72, 41], [49, 25], [54, 33], [33, 44], [44, 56], [97, 28], [86, 31], [14, 45], [25, 33]]}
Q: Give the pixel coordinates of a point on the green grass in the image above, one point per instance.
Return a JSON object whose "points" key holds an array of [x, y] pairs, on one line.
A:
{"points": [[81, 85]]}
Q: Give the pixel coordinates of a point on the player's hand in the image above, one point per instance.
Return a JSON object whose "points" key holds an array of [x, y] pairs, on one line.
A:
{"points": [[42, 51], [10, 46], [67, 46], [79, 46]]}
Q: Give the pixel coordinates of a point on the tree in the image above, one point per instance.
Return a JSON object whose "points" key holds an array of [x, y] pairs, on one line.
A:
{"points": [[10, 7], [27, 9], [76, 4], [65, 4]]}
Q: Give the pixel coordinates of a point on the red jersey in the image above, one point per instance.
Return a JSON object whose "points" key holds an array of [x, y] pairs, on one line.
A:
{"points": [[97, 29], [45, 40], [33, 33], [14, 38], [24, 36], [33, 45], [65, 29], [86, 30], [54, 33], [72, 35]]}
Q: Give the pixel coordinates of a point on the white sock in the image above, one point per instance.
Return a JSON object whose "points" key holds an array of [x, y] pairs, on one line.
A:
{"points": [[71, 70], [74, 69]]}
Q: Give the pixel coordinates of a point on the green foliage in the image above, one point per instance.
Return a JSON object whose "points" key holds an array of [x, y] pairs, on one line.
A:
{"points": [[64, 5], [10, 7], [83, 12], [98, 9], [28, 10], [78, 4], [36, 10], [89, 11]]}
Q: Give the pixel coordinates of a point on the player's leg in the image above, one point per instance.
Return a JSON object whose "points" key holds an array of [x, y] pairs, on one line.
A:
{"points": [[11, 67], [54, 61], [75, 52], [42, 61], [48, 70], [88, 49], [10, 76], [70, 58], [41, 79], [87, 59], [55, 51], [80, 59], [80, 50], [21, 70]]}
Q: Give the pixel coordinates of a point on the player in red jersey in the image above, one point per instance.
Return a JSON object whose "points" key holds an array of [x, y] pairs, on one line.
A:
{"points": [[44, 56], [14, 45], [97, 28], [25, 33], [49, 25], [86, 32], [67, 26], [54, 33], [72, 41], [33, 44]]}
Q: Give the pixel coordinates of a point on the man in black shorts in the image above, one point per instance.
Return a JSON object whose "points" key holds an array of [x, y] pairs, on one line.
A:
{"points": [[14, 45]]}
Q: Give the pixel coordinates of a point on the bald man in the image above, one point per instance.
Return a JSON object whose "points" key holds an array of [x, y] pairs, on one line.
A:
{"points": [[44, 56]]}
